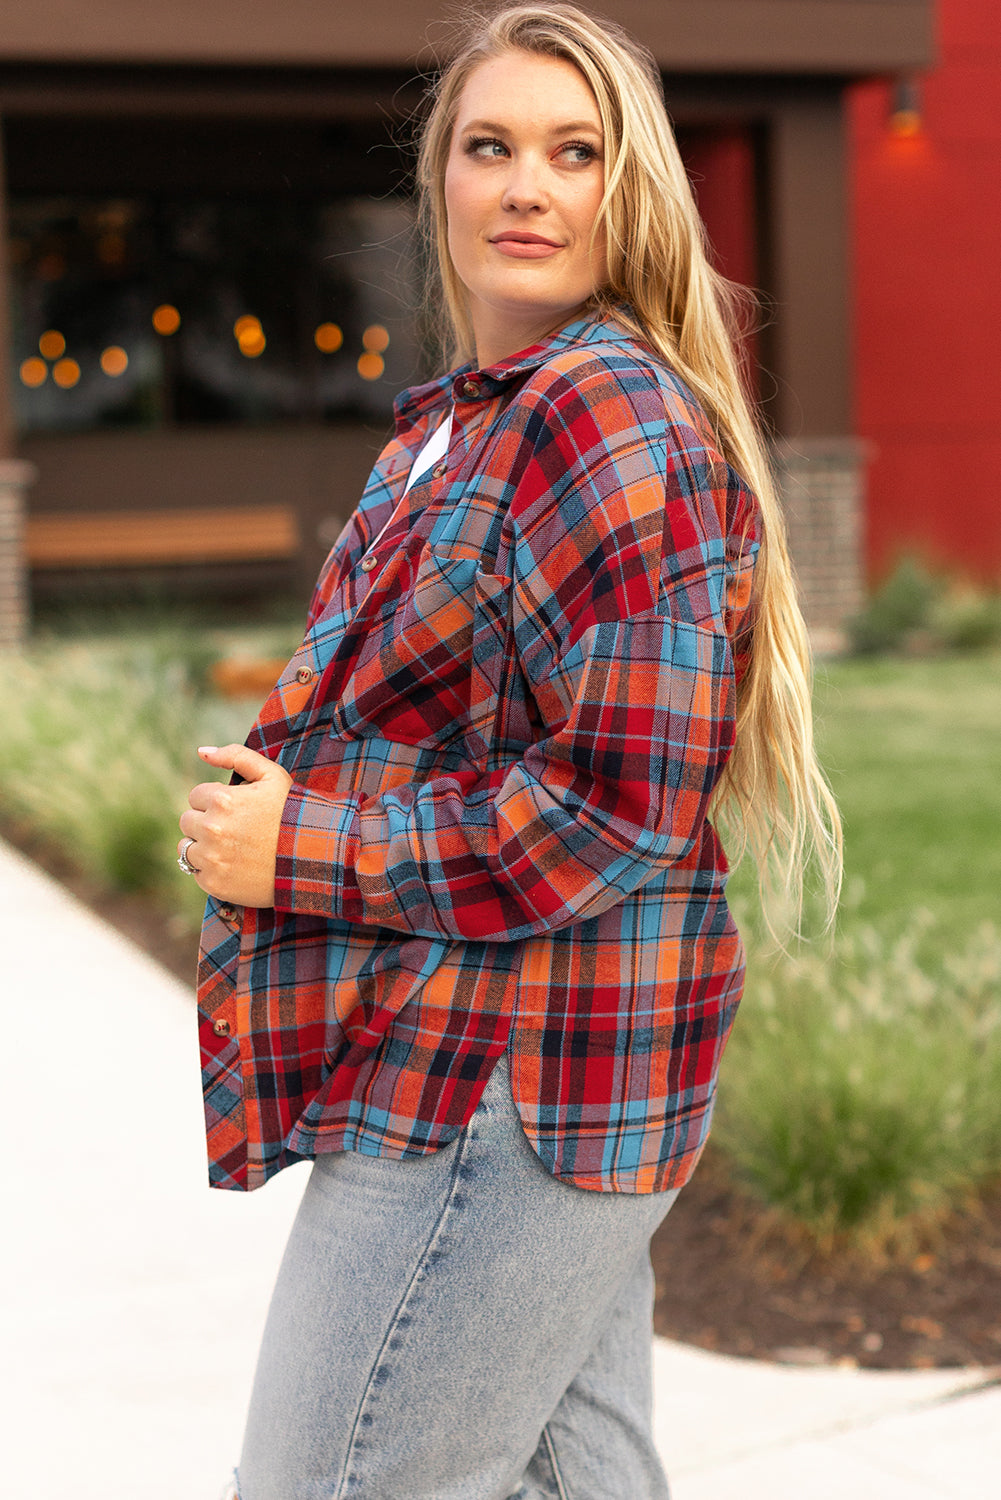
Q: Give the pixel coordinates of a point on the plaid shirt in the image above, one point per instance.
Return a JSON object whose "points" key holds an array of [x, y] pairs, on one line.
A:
{"points": [[503, 728]]}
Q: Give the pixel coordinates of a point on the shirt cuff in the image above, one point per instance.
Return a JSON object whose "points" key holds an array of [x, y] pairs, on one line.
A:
{"points": [[317, 848]]}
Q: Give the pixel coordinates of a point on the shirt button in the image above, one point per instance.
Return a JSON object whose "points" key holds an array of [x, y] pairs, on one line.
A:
{"points": [[220, 1027], [304, 675], [439, 471], [471, 388], [227, 913], [368, 563]]}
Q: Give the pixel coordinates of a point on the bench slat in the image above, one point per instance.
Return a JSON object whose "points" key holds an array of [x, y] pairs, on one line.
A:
{"points": [[119, 538]]}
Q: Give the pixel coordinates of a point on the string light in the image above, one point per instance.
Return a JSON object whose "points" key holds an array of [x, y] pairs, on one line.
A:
{"points": [[52, 344], [114, 360], [376, 339], [166, 319], [66, 373], [111, 249], [371, 366], [34, 372], [328, 338], [252, 342], [52, 267]]}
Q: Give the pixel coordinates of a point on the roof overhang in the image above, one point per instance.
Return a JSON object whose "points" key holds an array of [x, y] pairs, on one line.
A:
{"points": [[846, 37]]}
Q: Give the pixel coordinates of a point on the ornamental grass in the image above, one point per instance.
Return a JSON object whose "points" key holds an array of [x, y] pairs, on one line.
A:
{"points": [[860, 1096]]}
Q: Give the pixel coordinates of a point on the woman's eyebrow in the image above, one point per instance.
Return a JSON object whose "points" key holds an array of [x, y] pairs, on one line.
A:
{"points": [[569, 127]]}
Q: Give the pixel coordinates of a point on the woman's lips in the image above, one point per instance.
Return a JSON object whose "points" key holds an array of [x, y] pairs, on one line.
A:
{"points": [[525, 247]]}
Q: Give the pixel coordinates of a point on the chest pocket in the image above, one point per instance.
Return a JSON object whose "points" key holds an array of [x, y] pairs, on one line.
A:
{"points": [[433, 666]]}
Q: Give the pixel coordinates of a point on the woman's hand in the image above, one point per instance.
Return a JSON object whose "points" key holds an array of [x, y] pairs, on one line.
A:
{"points": [[235, 828]]}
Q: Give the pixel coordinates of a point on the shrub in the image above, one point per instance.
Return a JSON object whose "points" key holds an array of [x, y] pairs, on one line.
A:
{"points": [[913, 610], [98, 754], [896, 610], [861, 1092]]}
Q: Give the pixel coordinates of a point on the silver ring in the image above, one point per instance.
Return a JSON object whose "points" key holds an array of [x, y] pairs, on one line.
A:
{"points": [[183, 861]]}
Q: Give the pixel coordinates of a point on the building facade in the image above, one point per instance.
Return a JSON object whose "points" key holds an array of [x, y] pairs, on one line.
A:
{"points": [[208, 277], [926, 209]]}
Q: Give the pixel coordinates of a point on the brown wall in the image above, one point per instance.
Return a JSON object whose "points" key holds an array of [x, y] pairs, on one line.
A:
{"points": [[842, 36], [318, 471]]}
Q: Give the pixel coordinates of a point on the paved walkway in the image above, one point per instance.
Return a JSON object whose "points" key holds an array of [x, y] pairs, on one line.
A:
{"points": [[136, 1297]]}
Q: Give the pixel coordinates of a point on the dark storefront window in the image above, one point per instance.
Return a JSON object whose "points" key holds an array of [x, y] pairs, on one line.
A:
{"points": [[142, 312]]}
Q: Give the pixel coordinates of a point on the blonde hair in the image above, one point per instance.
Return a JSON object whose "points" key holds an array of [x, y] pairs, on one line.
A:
{"points": [[772, 795]]}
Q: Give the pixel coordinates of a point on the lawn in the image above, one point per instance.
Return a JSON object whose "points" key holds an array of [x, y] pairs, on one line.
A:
{"points": [[913, 752]]}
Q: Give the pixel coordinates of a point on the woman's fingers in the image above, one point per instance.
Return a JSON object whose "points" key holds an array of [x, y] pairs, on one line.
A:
{"points": [[235, 828], [239, 758]]}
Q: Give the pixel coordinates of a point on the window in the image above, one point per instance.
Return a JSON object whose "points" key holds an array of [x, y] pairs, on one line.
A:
{"points": [[144, 312]]}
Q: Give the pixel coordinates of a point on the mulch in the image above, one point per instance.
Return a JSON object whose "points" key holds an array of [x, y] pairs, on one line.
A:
{"points": [[729, 1279]]}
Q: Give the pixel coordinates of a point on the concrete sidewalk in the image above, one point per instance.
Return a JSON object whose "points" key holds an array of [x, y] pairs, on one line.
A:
{"points": [[135, 1297]]}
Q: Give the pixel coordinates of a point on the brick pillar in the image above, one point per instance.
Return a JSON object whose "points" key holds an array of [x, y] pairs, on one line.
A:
{"points": [[15, 478], [821, 484]]}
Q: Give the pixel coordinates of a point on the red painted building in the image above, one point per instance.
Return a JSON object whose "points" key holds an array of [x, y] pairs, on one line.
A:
{"points": [[927, 302]]}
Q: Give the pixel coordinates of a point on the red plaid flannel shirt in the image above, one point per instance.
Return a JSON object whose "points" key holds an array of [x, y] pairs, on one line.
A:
{"points": [[503, 726]]}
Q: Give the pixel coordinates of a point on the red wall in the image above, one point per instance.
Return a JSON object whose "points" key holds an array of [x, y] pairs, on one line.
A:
{"points": [[927, 238]]}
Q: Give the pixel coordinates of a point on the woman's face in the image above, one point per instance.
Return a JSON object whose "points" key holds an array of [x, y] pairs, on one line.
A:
{"points": [[523, 184]]}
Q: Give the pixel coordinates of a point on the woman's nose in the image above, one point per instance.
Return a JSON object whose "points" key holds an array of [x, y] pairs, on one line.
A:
{"points": [[525, 188]]}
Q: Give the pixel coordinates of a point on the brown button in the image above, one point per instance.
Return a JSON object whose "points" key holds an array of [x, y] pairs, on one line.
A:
{"points": [[220, 1027], [368, 563], [227, 913], [470, 388], [439, 471], [304, 674]]}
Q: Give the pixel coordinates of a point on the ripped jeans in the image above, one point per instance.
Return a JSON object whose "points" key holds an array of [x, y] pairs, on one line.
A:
{"points": [[462, 1326]]}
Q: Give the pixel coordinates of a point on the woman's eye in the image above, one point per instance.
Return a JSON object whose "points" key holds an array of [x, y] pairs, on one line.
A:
{"points": [[485, 146], [578, 152]]}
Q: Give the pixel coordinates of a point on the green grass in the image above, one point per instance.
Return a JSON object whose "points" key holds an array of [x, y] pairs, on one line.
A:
{"points": [[860, 1096], [913, 752]]}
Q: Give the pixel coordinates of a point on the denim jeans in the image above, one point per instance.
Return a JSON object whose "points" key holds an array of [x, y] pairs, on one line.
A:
{"points": [[461, 1326]]}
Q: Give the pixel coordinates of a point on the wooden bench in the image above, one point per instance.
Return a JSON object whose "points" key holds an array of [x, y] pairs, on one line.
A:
{"points": [[127, 539]]}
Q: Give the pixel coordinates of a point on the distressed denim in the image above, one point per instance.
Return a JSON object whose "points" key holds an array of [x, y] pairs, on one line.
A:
{"points": [[461, 1326]]}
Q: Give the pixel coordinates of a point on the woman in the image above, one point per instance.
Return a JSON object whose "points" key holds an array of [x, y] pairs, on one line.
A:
{"points": [[467, 944]]}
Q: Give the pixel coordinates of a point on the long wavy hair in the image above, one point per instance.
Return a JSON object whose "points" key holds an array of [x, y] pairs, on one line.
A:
{"points": [[772, 797]]}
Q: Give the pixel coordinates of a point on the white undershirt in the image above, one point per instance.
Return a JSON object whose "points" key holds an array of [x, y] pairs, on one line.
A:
{"points": [[436, 447]]}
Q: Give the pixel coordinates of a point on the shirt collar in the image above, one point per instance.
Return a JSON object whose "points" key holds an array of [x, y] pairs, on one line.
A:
{"points": [[467, 383]]}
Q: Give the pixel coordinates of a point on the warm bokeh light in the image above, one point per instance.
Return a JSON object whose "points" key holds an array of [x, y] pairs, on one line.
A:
{"points": [[111, 249], [52, 267], [376, 339], [114, 360], [371, 366], [34, 372], [52, 344], [166, 319], [66, 373], [245, 325], [252, 342], [328, 338]]}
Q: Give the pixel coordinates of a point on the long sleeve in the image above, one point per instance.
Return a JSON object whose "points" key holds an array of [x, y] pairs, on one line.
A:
{"points": [[615, 570]]}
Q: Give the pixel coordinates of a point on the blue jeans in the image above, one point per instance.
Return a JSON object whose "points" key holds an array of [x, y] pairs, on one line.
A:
{"points": [[461, 1326]]}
